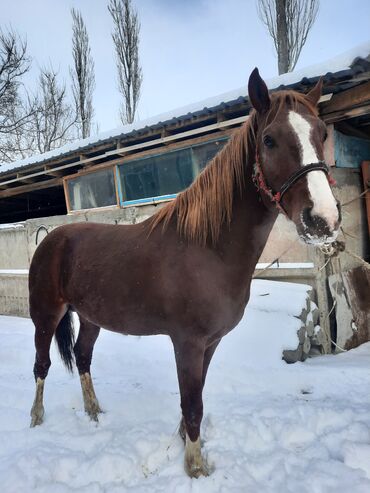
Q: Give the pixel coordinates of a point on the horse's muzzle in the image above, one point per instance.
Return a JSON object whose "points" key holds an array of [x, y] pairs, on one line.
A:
{"points": [[315, 229]]}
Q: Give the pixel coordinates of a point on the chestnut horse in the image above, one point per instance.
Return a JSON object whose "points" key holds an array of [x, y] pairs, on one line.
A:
{"points": [[186, 271]]}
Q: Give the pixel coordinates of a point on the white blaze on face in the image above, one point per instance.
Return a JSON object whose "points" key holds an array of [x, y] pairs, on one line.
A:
{"points": [[324, 203]]}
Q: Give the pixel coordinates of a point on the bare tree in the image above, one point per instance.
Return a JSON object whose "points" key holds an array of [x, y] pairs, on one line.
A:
{"points": [[54, 119], [16, 109], [126, 41], [288, 22], [83, 78], [19, 142]]}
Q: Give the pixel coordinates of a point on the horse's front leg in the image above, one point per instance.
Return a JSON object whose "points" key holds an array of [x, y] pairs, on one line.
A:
{"points": [[189, 361], [209, 352]]}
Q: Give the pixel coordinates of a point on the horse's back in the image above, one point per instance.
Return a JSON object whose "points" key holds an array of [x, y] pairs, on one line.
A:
{"points": [[65, 250]]}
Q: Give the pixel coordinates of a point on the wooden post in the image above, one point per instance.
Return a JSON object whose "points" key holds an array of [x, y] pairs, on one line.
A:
{"points": [[323, 299], [66, 195], [365, 166]]}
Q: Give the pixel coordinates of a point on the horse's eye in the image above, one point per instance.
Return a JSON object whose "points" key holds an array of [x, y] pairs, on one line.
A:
{"points": [[268, 141], [325, 136]]}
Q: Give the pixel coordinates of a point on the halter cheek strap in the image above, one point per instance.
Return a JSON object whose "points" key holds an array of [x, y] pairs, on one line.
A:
{"points": [[276, 197]]}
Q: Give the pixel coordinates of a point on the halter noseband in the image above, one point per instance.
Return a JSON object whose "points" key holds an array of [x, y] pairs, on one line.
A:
{"points": [[276, 197]]}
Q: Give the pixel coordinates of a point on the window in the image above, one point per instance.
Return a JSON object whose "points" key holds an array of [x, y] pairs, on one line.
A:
{"points": [[155, 176], [203, 153], [140, 180], [92, 190], [164, 175]]}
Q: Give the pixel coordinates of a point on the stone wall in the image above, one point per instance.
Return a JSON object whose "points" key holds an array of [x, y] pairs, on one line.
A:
{"points": [[14, 247]]}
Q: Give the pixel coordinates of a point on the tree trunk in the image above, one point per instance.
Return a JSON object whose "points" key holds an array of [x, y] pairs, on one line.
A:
{"points": [[282, 36]]}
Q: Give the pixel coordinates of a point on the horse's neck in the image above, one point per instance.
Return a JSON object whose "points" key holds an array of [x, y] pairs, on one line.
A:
{"points": [[241, 244]]}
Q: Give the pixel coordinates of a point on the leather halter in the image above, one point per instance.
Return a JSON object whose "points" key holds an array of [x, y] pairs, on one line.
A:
{"points": [[276, 197]]}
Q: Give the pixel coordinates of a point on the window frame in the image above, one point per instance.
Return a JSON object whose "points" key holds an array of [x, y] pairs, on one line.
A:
{"points": [[84, 172], [138, 156], [155, 153]]}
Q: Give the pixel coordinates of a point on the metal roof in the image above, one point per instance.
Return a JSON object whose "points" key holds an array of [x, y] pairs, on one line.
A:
{"points": [[339, 73]]}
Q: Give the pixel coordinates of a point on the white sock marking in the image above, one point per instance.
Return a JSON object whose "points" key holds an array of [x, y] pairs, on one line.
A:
{"points": [[324, 203]]}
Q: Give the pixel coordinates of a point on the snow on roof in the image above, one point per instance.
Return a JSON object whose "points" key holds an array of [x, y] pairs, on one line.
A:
{"points": [[339, 63]]}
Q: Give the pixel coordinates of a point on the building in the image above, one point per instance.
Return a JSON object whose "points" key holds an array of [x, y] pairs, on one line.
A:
{"points": [[121, 176]]}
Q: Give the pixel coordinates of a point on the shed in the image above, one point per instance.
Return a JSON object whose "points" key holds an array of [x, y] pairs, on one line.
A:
{"points": [[150, 161], [123, 175]]}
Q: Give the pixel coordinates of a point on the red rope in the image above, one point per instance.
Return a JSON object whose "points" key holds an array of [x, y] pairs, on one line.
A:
{"points": [[261, 184]]}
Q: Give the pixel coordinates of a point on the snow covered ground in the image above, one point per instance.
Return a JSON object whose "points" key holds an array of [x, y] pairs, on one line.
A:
{"points": [[268, 426]]}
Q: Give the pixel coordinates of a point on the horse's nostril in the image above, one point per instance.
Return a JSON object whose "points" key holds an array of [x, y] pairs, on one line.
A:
{"points": [[315, 224], [307, 216]]}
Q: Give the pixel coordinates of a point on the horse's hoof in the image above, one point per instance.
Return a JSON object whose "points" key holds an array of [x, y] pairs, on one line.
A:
{"points": [[36, 422], [196, 470], [37, 418], [93, 412], [94, 417], [195, 465]]}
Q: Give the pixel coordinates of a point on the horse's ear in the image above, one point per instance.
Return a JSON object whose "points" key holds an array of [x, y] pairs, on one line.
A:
{"points": [[258, 92], [315, 94]]}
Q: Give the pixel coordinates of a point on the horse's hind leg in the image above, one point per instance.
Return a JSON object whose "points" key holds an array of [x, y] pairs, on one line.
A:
{"points": [[189, 361], [83, 352], [45, 326]]}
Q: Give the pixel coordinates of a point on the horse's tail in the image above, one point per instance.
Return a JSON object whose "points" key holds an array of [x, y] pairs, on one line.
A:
{"points": [[65, 337]]}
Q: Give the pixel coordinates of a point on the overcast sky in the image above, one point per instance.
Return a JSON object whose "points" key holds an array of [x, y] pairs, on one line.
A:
{"points": [[190, 49]]}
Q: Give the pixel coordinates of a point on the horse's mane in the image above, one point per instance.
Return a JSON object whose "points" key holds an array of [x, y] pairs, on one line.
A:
{"points": [[207, 203]]}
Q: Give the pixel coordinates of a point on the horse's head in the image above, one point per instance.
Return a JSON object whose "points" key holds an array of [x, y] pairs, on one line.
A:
{"points": [[290, 170]]}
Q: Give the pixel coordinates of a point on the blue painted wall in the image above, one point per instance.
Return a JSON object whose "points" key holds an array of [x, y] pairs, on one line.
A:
{"points": [[349, 151]]}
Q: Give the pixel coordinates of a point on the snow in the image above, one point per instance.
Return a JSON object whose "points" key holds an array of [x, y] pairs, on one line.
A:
{"points": [[336, 64], [19, 225], [268, 427], [286, 265], [14, 271], [341, 62]]}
